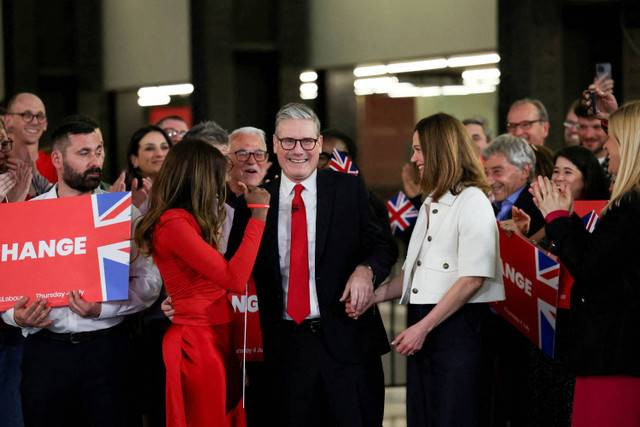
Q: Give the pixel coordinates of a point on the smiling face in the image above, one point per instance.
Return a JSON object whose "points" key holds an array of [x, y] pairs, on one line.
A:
{"points": [[250, 171], [592, 135], [417, 157], [524, 121], [23, 132], [504, 178], [566, 173], [297, 164], [152, 149]]}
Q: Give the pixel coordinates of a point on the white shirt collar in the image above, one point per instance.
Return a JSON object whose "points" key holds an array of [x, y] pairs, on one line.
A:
{"points": [[309, 184]]}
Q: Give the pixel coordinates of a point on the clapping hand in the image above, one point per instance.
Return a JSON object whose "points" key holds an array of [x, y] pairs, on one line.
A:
{"points": [[519, 222], [549, 197]]}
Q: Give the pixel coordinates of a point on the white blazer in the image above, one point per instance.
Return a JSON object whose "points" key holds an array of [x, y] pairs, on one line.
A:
{"points": [[454, 237]]}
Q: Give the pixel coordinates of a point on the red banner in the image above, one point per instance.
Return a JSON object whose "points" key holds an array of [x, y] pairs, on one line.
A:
{"points": [[50, 247], [247, 304], [531, 279]]}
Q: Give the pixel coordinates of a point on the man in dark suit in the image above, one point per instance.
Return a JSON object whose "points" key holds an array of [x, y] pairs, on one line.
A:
{"points": [[509, 163], [320, 248]]}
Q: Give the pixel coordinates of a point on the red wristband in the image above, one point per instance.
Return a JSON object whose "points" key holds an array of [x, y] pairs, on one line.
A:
{"points": [[257, 205], [560, 213]]}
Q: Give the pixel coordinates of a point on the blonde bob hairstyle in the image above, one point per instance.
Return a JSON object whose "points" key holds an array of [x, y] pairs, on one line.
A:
{"points": [[192, 177], [450, 161], [624, 127]]}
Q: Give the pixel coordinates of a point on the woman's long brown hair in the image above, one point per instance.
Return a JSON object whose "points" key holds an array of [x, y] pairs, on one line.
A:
{"points": [[450, 162], [192, 177]]}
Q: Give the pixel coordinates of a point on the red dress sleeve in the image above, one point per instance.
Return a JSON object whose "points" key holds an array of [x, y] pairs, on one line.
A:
{"points": [[185, 242]]}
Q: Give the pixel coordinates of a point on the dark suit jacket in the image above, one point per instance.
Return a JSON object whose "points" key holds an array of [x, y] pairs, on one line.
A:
{"points": [[346, 236], [605, 298]]}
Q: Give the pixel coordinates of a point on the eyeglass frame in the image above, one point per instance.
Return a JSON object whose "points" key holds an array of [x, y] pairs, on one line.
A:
{"points": [[570, 124], [39, 116], [296, 141], [171, 132], [252, 153], [524, 124]]}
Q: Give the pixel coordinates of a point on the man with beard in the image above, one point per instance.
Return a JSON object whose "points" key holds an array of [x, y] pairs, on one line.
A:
{"points": [[593, 136], [75, 358]]}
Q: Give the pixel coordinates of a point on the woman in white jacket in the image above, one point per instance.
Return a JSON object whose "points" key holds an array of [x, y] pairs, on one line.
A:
{"points": [[451, 272]]}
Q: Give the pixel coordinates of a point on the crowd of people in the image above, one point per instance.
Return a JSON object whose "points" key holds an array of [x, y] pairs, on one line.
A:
{"points": [[319, 248]]}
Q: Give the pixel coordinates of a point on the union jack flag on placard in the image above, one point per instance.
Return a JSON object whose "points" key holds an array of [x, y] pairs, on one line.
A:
{"points": [[84, 245], [341, 162], [546, 327], [547, 269], [402, 213], [113, 259]]}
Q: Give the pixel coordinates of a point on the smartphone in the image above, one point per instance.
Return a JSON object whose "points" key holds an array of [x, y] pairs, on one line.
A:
{"points": [[603, 69]]}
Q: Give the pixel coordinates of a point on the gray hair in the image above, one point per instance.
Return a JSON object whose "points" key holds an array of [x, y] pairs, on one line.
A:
{"points": [[542, 111], [249, 130], [516, 150], [480, 121], [210, 132], [295, 110]]}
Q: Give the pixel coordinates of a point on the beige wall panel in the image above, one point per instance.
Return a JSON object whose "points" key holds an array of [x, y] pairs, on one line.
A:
{"points": [[347, 32], [146, 42]]}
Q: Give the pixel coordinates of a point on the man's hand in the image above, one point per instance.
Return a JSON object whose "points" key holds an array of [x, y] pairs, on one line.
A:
{"points": [[119, 184], [606, 102], [35, 315], [23, 173], [167, 308], [359, 290], [82, 307]]}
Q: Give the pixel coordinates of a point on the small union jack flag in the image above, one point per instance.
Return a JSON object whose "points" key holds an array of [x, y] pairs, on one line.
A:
{"points": [[341, 162], [402, 213], [547, 269], [590, 221]]}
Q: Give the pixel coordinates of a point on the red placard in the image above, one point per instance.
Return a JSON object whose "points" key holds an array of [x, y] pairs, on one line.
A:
{"points": [[531, 279], [50, 247], [247, 304]]}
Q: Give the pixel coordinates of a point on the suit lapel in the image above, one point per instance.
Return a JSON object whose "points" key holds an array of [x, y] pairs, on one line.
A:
{"points": [[270, 240], [324, 211]]}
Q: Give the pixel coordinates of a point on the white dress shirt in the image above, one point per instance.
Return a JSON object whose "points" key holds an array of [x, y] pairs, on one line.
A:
{"points": [[457, 236], [145, 284], [310, 198]]}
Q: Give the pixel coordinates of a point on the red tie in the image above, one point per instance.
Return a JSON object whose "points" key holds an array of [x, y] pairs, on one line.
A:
{"points": [[298, 296]]}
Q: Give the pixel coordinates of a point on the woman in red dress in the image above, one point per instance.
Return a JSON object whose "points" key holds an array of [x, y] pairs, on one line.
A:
{"points": [[181, 231]]}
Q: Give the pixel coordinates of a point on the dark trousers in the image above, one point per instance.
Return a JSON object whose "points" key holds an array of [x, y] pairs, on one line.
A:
{"points": [[445, 379], [11, 343], [316, 389], [75, 384]]}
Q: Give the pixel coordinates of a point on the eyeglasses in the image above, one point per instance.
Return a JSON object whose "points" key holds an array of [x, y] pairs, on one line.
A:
{"points": [[307, 144], [171, 132], [571, 125], [524, 125], [28, 116], [259, 155], [6, 145]]}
